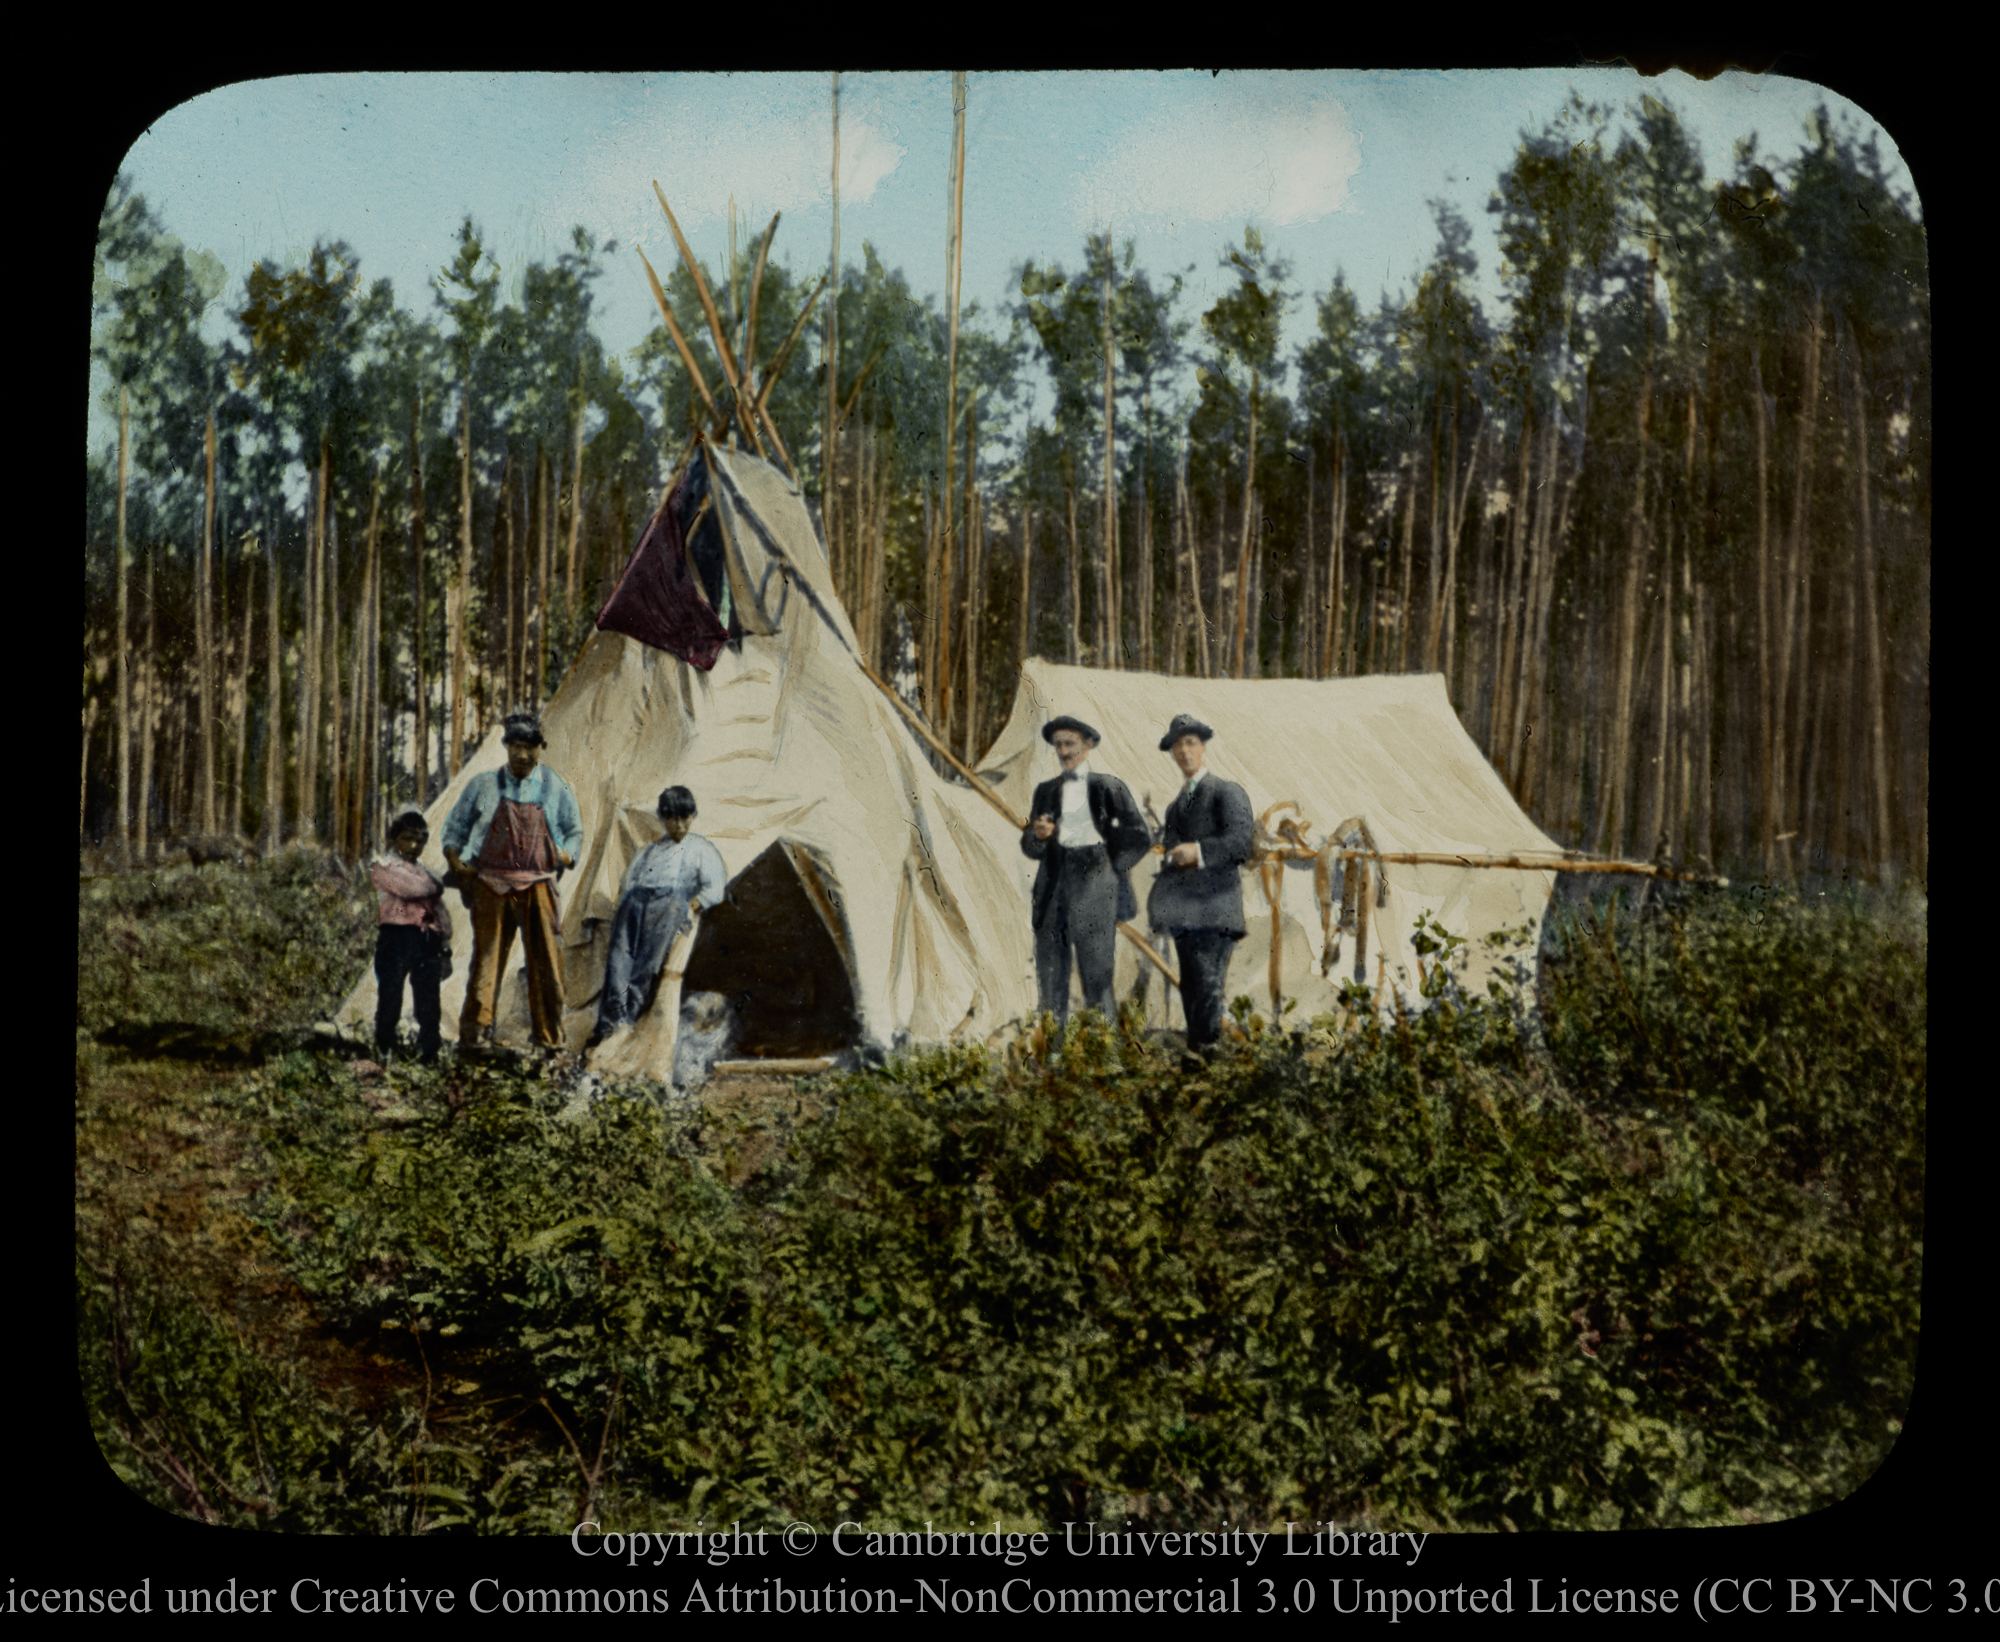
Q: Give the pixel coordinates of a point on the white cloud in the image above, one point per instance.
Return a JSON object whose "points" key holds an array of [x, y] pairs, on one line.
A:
{"points": [[1235, 150], [766, 140]]}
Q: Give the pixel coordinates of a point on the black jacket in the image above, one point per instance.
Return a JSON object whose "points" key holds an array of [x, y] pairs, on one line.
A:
{"points": [[1209, 896], [1119, 823]]}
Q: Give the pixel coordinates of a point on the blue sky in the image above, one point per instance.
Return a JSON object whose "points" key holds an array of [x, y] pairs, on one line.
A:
{"points": [[1334, 168]]}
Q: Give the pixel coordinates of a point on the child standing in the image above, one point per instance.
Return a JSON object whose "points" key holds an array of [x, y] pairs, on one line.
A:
{"points": [[413, 940], [681, 871]]}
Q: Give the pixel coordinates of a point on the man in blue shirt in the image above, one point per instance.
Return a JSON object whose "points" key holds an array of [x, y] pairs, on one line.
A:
{"points": [[667, 879], [511, 831]]}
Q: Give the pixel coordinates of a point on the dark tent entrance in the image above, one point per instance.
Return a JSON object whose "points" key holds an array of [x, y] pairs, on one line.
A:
{"points": [[778, 950]]}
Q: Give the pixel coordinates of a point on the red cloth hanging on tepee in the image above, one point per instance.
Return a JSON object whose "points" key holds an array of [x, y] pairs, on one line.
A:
{"points": [[658, 601]]}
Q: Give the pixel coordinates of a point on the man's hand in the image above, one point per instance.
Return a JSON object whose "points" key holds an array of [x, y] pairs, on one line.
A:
{"points": [[1185, 855], [564, 859], [1045, 827], [456, 862]]}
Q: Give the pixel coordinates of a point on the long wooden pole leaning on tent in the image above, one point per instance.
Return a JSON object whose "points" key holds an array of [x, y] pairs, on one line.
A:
{"points": [[680, 342], [756, 288], [723, 351], [937, 746], [771, 376], [778, 364]]}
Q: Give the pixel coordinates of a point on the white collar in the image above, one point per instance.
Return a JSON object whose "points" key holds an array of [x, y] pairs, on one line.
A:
{"points": [[1082, 769], [1194, 779]]}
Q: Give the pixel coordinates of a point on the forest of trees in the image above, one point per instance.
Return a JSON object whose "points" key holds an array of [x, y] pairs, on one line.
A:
{"points": [[1663, 524]]}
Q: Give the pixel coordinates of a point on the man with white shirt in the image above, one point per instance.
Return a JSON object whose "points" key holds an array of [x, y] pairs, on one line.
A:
{"points": [[1198, 896], [1088, 834]]}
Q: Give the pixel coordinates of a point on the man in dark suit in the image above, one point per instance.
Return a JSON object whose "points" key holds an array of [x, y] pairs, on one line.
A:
{"points": [[1198, 896], [1088, 835]]}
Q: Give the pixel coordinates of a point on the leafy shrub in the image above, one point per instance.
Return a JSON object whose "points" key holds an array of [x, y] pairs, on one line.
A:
{"points": [[1649, 1255], [192, 1420], [220, 957]]}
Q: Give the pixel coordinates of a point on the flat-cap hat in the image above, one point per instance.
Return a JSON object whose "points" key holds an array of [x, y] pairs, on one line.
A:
{"points": [[524, 727], [1067, 723], [1184, 724]]}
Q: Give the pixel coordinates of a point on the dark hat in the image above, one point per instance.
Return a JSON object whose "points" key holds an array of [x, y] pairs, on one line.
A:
{"points": [[1184, 724], [1067, 723], [523, 727]]}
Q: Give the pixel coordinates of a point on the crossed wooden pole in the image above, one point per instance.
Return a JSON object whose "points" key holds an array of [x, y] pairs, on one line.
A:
{"points": [[748, 410]]}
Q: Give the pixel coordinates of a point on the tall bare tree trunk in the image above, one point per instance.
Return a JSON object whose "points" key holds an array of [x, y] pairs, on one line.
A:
{"points": [[1507, 621], [1148, 651], [1683, 805], [274, 724], [1796, 609], [1611, 812], [379, 719], [545, 532], [576, 498], [204, 628], [1433, 607], [1701, 841], [1219, 584], [883, 472], [1075, 569], [1339, 650], [123, 657], [1110, 630], [531, 493], [149, 691], [1461, 488], [1186, 542], [459, 593], [1881, 853], [358, 693], [1473, 669], [1177, 617], [309, 660], [972, 577], [420, 757], [936, 609], [240, 696], [1530, 684], [1660, 829], [1372, 577], [336, 745], [1767, 635], [83, 767], [1243, 550], [829, 443], [1253, 659], [504, 555]]}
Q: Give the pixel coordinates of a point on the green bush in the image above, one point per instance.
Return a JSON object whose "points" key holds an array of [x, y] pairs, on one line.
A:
{"points": [[1648, 1255], [220, 957]]}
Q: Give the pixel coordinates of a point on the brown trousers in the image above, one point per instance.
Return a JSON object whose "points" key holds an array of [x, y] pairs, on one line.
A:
{"points": [[494, 921]]}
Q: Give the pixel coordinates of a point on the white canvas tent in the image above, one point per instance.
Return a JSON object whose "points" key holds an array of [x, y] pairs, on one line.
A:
{"points": [[1386, 749], [872, 902]]}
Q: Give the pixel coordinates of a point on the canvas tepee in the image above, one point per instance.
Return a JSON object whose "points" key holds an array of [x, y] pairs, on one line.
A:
{"points": [[872, 903]]}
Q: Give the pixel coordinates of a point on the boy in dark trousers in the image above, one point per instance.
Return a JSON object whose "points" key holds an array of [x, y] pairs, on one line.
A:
{"points": [[413, 940]]}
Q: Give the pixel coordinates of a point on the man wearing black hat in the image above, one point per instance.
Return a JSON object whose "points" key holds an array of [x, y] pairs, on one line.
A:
{"points": [[1198, 896], [511, 831], [1088, 834]]}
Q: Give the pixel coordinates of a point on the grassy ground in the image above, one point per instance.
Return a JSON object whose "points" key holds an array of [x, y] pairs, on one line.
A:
{"points": [[1647, 1255]]}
